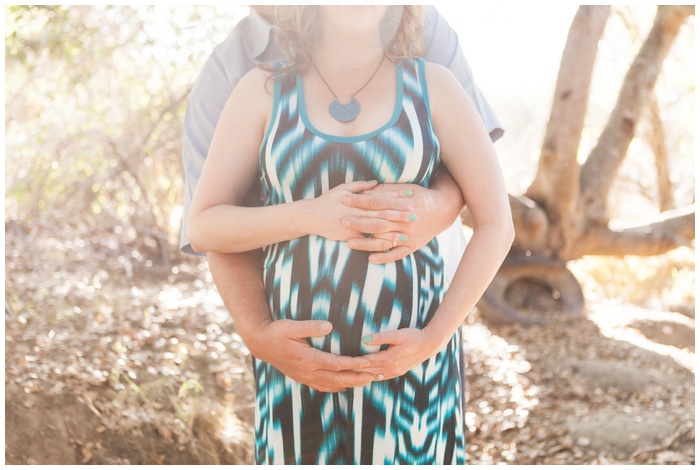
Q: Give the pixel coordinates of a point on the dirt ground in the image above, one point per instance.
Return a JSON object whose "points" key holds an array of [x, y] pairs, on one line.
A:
{"points": [[108, 362]]}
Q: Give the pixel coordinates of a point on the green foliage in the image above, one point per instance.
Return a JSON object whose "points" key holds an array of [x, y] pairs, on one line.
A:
{"points": [[95, 97]]}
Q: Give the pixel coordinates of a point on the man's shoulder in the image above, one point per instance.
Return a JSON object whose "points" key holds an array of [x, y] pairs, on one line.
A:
{"points": [[228, 62], [236, 39], [251, 34]]}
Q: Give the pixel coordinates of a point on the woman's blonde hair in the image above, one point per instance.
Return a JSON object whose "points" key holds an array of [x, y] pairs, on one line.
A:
{"points": [[299, 32]]}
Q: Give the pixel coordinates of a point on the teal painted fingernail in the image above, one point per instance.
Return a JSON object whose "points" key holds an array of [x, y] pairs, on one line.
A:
{"points": [[412, 217], [403, 238], [408, 192], [367, 339]]}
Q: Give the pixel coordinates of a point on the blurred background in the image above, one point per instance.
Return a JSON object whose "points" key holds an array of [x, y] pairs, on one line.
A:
{"points": [[118, 349]]}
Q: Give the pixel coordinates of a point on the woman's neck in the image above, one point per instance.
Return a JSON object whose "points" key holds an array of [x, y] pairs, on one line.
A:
{"points": [[348, 54]]}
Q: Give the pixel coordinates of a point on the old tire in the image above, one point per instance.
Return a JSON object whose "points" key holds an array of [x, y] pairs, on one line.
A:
{"points": [[531, 290]]}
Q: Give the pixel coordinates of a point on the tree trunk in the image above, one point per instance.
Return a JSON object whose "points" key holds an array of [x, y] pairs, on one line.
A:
{"points": [[601, 167], [656, 136], [562, 215], [556, 185]]}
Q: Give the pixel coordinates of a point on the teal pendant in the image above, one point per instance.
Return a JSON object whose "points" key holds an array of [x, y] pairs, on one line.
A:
{"points": [[344, 112]]}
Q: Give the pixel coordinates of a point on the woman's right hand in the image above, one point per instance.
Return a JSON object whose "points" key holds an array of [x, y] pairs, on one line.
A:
{"points": [[328, 212]]}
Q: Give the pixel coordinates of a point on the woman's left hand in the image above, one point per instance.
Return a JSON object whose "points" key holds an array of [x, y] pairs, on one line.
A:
{"points": [[429, 212], [408, 347]]}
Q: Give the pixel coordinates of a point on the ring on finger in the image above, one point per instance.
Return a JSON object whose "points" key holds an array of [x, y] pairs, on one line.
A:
{"points": [[380, 376], [395, 243]]}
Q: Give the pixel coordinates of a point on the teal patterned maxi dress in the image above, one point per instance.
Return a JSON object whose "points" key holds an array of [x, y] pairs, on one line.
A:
{"points": [[413, 419]]}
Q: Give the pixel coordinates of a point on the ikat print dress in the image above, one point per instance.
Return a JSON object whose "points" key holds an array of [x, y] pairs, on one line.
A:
{"points": [[413, 419]]}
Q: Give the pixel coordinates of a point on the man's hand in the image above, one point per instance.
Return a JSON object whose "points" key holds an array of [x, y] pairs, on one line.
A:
{"points": [[282, 344], [431, 211]]}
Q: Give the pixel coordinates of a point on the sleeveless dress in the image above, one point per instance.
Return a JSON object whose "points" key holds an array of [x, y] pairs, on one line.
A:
{"points": [[413, 419]]}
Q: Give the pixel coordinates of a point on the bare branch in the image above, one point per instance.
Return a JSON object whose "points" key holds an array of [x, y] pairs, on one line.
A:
{"points": [[556, 187], [656, 136], [532, 226], [665, 232], [598, 173]]}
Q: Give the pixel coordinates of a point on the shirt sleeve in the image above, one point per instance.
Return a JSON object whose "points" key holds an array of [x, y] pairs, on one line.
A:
{"points": [[441, 46], [245, 48], [222, 71], [200, 121]]}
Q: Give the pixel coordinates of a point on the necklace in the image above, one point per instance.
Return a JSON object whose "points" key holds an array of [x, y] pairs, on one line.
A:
{"points": [[348, 111]]}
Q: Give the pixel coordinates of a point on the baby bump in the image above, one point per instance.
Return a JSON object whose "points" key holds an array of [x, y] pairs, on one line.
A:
{"points": [[313, 278]]}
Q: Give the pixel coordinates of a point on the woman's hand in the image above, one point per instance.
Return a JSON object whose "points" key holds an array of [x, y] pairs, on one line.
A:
{"points": [[328, 212], [427, 213], [408, 348]]}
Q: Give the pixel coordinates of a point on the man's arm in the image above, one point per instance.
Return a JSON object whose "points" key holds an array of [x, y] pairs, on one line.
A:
{"points": [[441, 46], [281, 343], [238, 277]]}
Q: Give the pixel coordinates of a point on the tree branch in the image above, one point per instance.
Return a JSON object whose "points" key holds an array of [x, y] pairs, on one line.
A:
{"points": [[600, 169], [665, 232], [656, 136], [556, 187], [556, 184], [531, 224]]}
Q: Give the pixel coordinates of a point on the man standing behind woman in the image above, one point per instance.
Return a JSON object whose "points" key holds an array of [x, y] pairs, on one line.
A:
{"points": [[238, 276], [354, 106]]}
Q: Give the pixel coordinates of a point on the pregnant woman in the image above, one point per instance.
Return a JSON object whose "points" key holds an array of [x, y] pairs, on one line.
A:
{"points": [[351, 108]]}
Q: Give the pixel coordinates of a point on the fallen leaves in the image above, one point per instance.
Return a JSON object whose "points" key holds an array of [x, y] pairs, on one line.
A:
{"points": [[559, 376], [124, 348], [159, 352]]}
